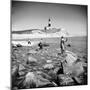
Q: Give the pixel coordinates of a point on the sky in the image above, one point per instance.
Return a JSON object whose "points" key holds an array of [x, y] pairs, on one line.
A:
{"points": [[35, 15]]}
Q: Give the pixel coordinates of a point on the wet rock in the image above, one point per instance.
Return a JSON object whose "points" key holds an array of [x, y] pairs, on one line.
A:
{"points": [[48, 66]]}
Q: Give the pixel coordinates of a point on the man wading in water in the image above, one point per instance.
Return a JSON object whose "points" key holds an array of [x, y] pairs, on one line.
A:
{"points": [[62, 44]]}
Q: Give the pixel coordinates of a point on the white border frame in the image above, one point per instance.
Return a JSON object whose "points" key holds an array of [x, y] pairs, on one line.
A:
{"points": [[5, 43]]}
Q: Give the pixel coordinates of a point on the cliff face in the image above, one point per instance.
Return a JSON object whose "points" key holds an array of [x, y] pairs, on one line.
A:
{"points": [[50, 30], [38, 33]]}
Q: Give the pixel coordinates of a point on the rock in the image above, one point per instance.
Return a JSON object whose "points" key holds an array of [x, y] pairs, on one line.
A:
{"points": [[45, 44], [69, 45], [14, 74], [53, 75], [42, 57], [32, 52], [85, 57], [59, 70], [70, 58], [78, 68], [48, 66], [75, 70], [44, 75], [14, 71], [49, 61], [34, 80], [65, 80], [14, 88], [31, 60], [77, 80], [42, 82], [21, 67], [48, 57], [19, 45], [56, 70], [22, 73], [13, 45], [30, 80]]}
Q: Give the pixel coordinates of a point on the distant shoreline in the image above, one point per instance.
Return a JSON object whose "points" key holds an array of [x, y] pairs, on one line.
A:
{"points": [[47, 38]]}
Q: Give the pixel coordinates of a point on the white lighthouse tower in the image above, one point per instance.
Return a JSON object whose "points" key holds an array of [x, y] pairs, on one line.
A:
{"points": [[48, 27]]}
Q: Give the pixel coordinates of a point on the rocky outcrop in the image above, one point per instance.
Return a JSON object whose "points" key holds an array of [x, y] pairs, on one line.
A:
{"points": [[31, 60]]}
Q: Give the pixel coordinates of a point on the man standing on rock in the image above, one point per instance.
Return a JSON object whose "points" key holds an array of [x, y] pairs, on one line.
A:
{"points": [[62, 44]]}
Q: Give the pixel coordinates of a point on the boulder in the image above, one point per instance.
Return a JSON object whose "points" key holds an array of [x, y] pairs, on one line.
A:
{"points": [[19, 45], [69, 45], [75, 70], [30, 80], [42, 82], [14, 74], [49, 61], [65, 80], [73, 67], [44, 75], [32, 52], [53, 75], [31, 60], [59, 70], [34, 80], [70, 57], [48, 66], [21, 69]]}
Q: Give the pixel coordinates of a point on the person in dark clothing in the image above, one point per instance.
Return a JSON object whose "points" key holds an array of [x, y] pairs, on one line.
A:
{"points": [[29, 42], [62, 44], [40, 45]]}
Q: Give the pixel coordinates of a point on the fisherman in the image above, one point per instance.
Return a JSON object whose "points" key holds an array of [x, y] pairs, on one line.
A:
{"points": [[40, 46], [62, 44], [29, 42]]}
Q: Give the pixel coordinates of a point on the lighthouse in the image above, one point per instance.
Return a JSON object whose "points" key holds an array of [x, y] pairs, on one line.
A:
{"points": [[48, 27]]}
